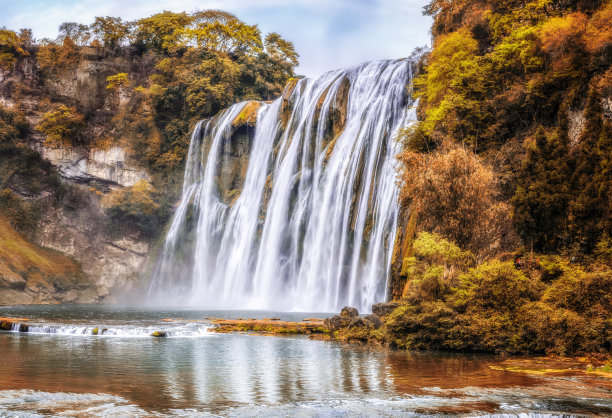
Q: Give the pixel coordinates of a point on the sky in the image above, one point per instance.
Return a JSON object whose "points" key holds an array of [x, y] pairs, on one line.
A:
{"points": [[328, 34]]}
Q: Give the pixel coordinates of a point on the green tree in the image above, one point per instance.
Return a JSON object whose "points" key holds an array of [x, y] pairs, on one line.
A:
{"points": [[542, 193], [586, 210]]}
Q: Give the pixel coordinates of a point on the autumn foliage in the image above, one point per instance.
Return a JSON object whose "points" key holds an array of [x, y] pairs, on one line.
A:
{"points": [[512, 76]]}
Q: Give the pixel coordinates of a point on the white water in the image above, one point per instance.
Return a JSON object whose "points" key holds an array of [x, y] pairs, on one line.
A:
{"points": [[313, 227], [182, 330]]}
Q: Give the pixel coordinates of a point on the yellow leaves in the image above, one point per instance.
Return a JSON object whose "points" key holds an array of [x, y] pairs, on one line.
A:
{"points": [[558, 34], [228, 37], [280, 49], [519, 49], [56, 59], [61, 127], [112, 31], [162, 30], [117, 81], [139, 199], [599, 30], [455, 77], [156, 91], [10, 49], [452, 53]]}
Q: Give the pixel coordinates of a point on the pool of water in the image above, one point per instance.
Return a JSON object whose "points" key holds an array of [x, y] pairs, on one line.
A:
{"points": [[196, 372]]}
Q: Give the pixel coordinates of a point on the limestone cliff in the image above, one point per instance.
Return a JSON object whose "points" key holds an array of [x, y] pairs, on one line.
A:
{"points": [[88, 258]]}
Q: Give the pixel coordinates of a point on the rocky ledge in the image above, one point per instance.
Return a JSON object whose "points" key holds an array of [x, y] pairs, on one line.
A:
{"points": [[269, 326], [349, 317]]}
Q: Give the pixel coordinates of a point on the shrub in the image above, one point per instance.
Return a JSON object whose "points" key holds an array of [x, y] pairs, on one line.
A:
{"points": [[63, 126], [136, 206], [117, 81]]}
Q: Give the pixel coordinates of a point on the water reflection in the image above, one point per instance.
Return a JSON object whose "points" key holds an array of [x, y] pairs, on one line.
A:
{"points": [[228, 370], [220, 371]]}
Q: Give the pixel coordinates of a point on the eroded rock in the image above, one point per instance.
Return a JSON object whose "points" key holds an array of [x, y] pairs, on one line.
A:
{"points": [[336, 322], [348, 312], [373, 320], [383, 309]]}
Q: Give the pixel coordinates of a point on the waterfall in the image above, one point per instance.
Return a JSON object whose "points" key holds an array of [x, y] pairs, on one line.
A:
{"points": [[291, 205]]}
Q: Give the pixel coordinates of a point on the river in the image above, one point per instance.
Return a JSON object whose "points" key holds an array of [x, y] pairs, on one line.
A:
{"points": [[61, 368]]}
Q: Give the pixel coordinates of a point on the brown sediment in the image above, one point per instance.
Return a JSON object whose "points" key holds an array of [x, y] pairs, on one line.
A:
{"points": [[271, 326], [555, 366]]}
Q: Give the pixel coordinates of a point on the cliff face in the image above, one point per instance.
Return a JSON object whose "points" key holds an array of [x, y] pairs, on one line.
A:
{"points": [[70, 223]]}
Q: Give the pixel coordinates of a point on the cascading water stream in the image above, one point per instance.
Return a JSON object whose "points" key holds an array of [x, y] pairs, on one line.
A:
{"points": [[299, 211]]}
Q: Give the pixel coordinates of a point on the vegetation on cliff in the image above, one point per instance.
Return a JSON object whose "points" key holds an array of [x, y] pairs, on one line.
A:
{"points": [[124, 92], [509, 168], [139, 85], [542, 304]]}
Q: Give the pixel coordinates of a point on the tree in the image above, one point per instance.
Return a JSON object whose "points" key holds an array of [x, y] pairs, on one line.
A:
{"points": [[162, 31], [585, 209], [112, 31], [77, 32], [223, 32], [56, 59], [62, 127], [117, 81], [10, 49], [455, 195], [542, 193], [280, 49]]}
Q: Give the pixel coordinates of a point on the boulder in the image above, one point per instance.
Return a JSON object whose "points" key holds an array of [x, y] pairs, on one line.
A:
{"points": [[373, 320], [336, 322], [12, 280], [384, 309], [348, 312], [71, 296], [358, 322], [103, 291]]}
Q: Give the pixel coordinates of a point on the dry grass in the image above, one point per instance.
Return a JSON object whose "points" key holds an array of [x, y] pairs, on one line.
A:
{"points": [[19, 256]]}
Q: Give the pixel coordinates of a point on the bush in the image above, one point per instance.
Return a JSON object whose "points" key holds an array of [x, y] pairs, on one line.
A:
{"points": [[136, 206], [454, 194], [62, 127], [554, 307]]}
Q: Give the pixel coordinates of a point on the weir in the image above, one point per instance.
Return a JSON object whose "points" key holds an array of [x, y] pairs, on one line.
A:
{"points": [[291, 205]]}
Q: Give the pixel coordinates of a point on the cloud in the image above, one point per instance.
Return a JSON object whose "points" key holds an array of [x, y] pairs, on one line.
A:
{"points": [[327, 34]]}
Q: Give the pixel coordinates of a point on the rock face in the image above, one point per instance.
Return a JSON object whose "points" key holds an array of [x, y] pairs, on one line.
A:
{"points": [[348, 317], [105, 260], [384, 309], [111, 167], [373, 320], [110, 263], [348, 312]]}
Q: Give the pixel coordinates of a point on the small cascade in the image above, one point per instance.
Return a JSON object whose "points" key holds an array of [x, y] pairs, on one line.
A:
{"points": [[189, 330], [291, 205]]}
